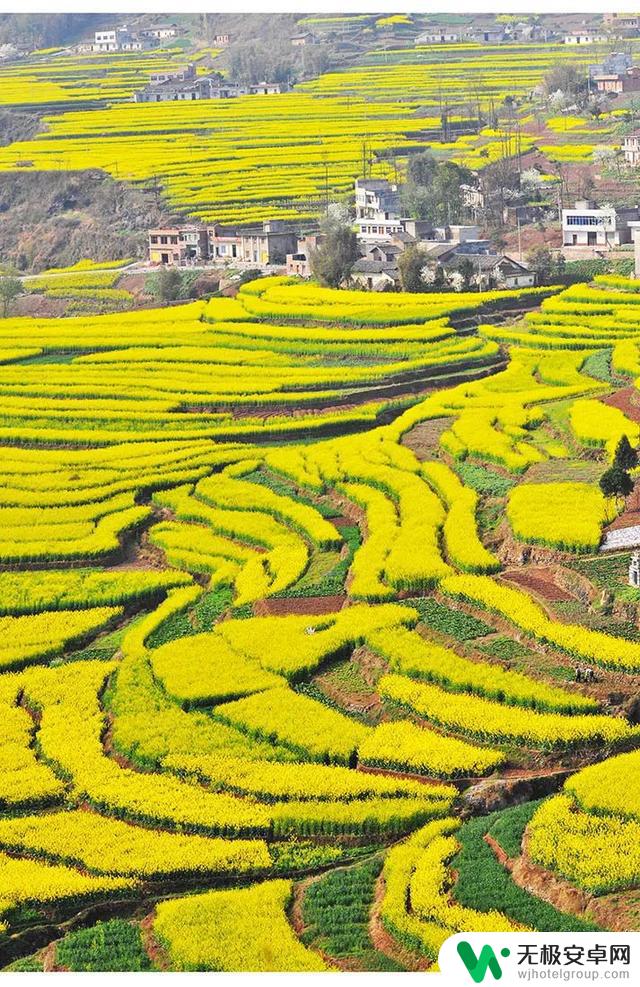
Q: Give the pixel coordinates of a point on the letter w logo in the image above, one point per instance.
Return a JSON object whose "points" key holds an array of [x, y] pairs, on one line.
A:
{"points": [[477, 966]]}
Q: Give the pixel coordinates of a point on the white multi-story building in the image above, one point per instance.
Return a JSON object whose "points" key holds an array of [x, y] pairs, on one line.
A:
{"points": [[631, 148], [377, 209], [588, 225], [105, 40]]}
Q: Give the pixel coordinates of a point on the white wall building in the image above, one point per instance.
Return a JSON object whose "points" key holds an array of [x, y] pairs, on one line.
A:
{"points": [[587, 225], [377, 209], [631, 148], [438, 36], [584, 38]]}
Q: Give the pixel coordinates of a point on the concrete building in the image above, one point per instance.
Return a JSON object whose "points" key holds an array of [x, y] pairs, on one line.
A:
{"points": [[622, 25], [618, 82], [185, 74], [258, 246], [587, 225], [175, 86], [438, 36], [631, 148], [298, 261], [162, 32], [375, 275], [188, 245], [584, 38], [377, 208], [222, 39], [613, 64], [105, 40]]}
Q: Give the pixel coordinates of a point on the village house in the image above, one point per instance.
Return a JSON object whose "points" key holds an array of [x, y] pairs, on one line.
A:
{"points": [[631, 148], [161, 33], [377, 208], [176, 247], [177, 75], [438, 36], [587, 225], [375, 275], [116, 39], [619, 82], [222, 39], [584, 38], [298, 262], [176, 86], [621, 25], [303, 39], [258, 246]]}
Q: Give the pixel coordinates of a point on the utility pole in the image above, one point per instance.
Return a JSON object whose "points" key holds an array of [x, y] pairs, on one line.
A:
{"points": [[519, 236]]}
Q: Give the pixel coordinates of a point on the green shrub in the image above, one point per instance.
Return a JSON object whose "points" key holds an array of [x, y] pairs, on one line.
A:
{"points": [[454, 623], [104, 948], [484, 884]]}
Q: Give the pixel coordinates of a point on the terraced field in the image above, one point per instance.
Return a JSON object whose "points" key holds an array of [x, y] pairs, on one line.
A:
{"points": [[259, 658]]}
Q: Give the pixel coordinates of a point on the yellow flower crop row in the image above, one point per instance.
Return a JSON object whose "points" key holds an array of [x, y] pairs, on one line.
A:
{"points": [[270, 780], [303, 724], [242, 930], [464, 548], [600, 424], [403, 746], [569, 516], [108, 846], [598, 853], [34, 637], [493, 722], [411, 654], [516, 606]]}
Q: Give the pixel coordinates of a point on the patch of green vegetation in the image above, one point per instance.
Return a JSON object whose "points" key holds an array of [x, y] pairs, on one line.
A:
{"points": [[280, 485], [598, 365], [211, 606], [336, 909], [242, 612], [484, 480], [575, 612], [505, 649], [454, 623], [483, 884], [605, 572], [489, 515], [347, 675], [107, 947], [27, 965], [509, 826], [334, 580], [178, 625], [294, 855]]}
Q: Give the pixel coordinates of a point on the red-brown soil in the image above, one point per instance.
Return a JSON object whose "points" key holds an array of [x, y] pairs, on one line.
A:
{"points": [[541, 582], [299, 605]]}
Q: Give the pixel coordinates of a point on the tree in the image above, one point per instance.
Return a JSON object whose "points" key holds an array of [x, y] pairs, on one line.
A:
{"points": [[566, 78], [616, 482], [410, 264], [332, 261], [10, 288], [626, 457], [546, 265], [467, 271], [421, 168], [433, 190], [168, 284]]}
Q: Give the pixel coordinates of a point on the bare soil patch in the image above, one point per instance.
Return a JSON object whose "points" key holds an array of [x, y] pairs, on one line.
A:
{"points": [[541, 582], [299, 605]]}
